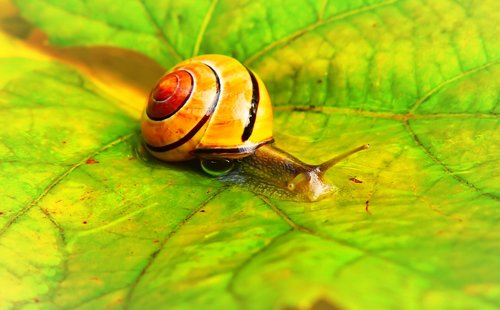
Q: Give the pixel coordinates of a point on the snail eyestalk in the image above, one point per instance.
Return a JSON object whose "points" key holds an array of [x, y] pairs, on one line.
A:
{"points": [[323, 168], [292, 185]]}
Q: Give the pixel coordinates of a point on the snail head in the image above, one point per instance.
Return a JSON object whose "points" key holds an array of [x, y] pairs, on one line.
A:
{"points": [[310, 186], [275, 173], [311, 183]]}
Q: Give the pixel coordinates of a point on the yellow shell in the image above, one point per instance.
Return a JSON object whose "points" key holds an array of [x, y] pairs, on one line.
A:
{"points": [[210, 106]]}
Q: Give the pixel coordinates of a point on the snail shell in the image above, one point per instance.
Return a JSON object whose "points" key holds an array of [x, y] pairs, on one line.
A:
{"points": [[209, 106]]}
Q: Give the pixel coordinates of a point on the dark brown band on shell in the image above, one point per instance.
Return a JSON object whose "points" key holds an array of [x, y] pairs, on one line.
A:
{"points": [[254, 105]]}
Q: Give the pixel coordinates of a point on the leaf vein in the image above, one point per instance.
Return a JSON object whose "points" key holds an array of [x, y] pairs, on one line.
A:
{"points": [[443, 84], [447, 170], [160, 32], [382, 115], [310, 27], [365, 252], [133, 285], [231, 284], [203, 27], [322, 9], [58, 180]]}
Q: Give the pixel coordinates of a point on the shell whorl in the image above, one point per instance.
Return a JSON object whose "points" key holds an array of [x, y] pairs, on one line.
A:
{"points": [[208, 106], [170, 94]]}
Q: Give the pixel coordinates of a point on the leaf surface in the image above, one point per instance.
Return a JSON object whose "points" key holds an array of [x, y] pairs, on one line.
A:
{"points": [[86, 222]]}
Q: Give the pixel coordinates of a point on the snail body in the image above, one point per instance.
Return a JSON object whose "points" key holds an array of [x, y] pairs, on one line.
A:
{"points": [[214, 109]]}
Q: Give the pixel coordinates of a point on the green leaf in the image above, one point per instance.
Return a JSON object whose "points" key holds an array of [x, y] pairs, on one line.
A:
{"points": [[87, 222]]}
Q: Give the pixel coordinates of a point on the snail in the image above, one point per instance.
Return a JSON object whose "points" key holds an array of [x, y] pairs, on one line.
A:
{"points": [[214, 109]]}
